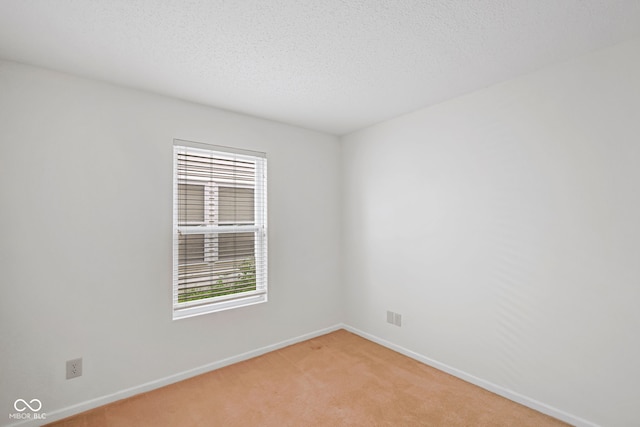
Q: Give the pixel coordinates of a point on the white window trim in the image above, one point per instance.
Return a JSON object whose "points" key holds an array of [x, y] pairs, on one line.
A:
{"points": [[183, 310]]}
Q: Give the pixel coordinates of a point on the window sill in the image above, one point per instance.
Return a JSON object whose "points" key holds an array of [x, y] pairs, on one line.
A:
{"points": [[216, 306]]}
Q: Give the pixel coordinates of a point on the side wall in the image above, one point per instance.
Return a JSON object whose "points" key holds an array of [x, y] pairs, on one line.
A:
{"points": [[505, 227], [85, 252]]}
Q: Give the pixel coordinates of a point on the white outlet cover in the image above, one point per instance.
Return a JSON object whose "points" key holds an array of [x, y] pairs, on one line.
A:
{"points": [[74, 368]]}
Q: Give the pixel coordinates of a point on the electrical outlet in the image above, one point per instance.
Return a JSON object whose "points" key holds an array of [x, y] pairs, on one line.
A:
{"points": [[394, 318], [390, 316], [74, 368]]}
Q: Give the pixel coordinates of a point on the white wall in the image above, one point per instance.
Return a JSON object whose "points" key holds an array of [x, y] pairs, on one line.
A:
{"points": [[505, 227], [85, 226]]}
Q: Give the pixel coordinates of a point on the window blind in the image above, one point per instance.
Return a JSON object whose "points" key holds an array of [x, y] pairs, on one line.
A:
{"points": [[220, 236]]}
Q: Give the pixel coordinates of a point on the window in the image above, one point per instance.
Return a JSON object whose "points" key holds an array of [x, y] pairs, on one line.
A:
{"points": [[219, 228]]}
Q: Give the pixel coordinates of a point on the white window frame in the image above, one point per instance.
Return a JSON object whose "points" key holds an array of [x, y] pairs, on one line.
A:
{"points": [[259, 228]]}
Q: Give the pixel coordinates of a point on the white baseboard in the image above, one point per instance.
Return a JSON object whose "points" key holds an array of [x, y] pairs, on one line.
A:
{"points": [[501, 391], [123, 394], [152, 385]]}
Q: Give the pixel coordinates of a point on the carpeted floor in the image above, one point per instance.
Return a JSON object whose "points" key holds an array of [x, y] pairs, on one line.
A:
{"points": [[338, 379]]}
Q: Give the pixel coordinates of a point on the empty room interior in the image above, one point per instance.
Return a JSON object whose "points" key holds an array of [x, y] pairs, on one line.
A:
{"points": [[366, 212]]}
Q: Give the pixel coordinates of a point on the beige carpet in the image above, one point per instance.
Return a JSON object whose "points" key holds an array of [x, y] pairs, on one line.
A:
{"points": [[338, 379]]}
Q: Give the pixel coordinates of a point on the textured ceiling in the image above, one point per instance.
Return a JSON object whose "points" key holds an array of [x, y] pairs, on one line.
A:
{"points": [[330, 65]]}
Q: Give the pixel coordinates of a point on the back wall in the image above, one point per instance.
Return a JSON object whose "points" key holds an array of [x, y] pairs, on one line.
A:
{"points": [[504, 227]]}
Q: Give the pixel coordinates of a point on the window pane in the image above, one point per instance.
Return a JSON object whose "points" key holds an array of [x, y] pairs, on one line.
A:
{"points": [[236, 205], [236, 245], [191, 249], [190, 204], [200, 281]]}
